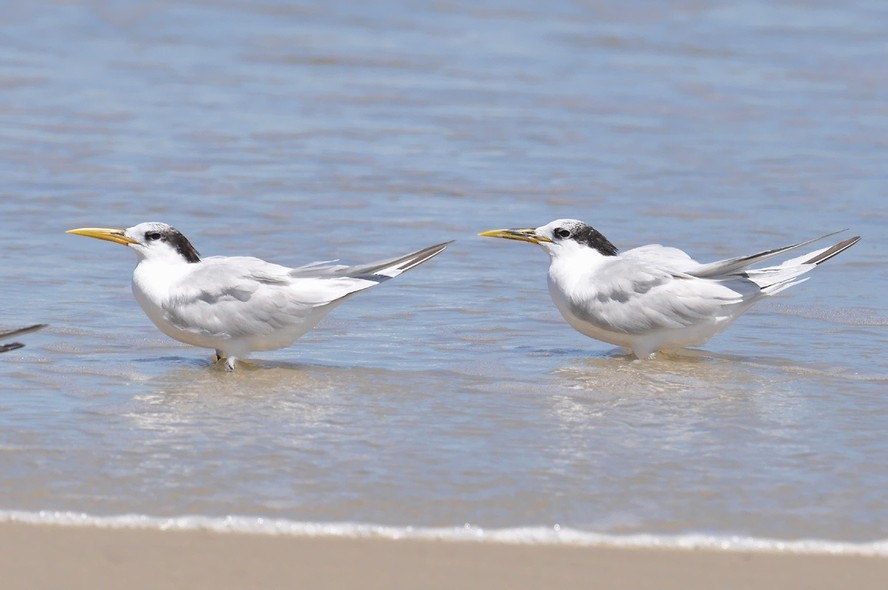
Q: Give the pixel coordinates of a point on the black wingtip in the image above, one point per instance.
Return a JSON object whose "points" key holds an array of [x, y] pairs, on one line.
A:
{"points": [[835, 250], [420, 256], [21, 331]]}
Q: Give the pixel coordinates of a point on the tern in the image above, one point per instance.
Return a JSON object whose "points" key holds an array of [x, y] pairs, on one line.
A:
{"points": [[237, 305], [16, 334], [654, 297]]}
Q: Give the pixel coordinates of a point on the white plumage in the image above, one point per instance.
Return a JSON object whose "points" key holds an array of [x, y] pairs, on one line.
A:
{"points": [[655, 297], [239, 304]]}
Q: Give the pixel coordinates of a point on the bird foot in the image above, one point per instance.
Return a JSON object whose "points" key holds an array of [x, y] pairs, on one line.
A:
{"points": [[228, 363]]}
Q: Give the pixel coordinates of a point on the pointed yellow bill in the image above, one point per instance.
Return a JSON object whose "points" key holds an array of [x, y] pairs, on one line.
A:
{"points": [[102, 233], [522, 235]]}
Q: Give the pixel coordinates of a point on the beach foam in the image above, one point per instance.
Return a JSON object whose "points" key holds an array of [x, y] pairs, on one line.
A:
{"points": [[555, 535]]}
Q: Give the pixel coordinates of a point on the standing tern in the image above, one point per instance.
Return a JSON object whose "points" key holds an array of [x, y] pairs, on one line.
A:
{"points": [[239, 304], [654, 297]]}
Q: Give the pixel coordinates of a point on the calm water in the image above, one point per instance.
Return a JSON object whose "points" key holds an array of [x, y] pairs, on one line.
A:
{"points": [[454, 394]]}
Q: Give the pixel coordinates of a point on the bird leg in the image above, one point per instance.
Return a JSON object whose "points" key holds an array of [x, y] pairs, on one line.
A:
{"points": [[230, 361]]}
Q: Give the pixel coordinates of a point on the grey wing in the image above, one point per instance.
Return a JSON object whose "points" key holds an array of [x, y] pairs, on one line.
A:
{"points": [[732, 265], [645, 298], [667, 258], [246, 296], [379, 271]]}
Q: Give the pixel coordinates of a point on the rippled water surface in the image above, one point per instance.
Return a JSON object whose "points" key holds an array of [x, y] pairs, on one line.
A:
{"points": [[453, 394]]}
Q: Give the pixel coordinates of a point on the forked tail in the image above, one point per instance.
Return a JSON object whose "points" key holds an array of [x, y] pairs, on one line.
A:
{"points": [[777, 278], [389, 269]]}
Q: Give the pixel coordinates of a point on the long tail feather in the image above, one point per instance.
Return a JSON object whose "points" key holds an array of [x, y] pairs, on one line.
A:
{"points": [[379, 271], [388, 269], [827, 253], [777, 278], [732, 265]]}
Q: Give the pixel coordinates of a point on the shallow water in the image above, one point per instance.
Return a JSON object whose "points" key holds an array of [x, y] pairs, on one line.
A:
{"points": [[454, 394]]}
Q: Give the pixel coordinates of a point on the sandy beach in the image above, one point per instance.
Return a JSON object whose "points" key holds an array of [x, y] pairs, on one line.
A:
{"points": [[74, 557]]}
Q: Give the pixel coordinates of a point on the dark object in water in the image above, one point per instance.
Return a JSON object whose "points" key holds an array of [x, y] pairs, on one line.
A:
{"points": [[14, 334]]}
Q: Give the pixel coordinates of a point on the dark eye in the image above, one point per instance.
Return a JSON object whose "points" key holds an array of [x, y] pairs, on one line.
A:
{"points": [[153, 235], [562, 233]]}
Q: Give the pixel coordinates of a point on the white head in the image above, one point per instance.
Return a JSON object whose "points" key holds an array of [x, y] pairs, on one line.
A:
{"points": [[560, 237], [151, 241]]}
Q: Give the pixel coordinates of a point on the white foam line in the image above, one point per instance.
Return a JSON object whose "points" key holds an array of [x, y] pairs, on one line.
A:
{"points": [[515, 536]]}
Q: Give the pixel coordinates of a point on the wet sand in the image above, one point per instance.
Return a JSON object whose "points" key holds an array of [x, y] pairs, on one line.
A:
{"points": [[72, 557]]}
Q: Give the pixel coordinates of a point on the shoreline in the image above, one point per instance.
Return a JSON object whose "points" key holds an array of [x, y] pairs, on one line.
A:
{"points": [[34, 555], [520, 535]]}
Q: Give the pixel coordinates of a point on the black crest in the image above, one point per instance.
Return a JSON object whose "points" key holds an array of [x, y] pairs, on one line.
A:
{"points": [[595, 239], [174, 238], [588, 236], [182, 245]]}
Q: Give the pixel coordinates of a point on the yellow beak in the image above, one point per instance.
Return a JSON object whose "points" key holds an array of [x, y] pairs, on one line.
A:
{"points": [[112, 235], [522, 235]]}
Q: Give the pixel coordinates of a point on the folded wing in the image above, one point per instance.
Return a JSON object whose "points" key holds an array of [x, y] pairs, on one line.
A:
{"points": [[243, 296]]}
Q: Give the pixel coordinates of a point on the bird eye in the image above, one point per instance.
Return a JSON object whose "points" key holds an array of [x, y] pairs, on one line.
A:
{"points": [[151, 236], [562, 233]]}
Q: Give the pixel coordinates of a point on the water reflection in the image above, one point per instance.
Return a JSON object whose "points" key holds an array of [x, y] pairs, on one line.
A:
{"points": [[685, 373], [302, 396]]}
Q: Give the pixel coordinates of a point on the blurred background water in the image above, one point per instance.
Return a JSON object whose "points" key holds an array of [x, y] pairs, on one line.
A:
{"points": [[454, 394]]}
